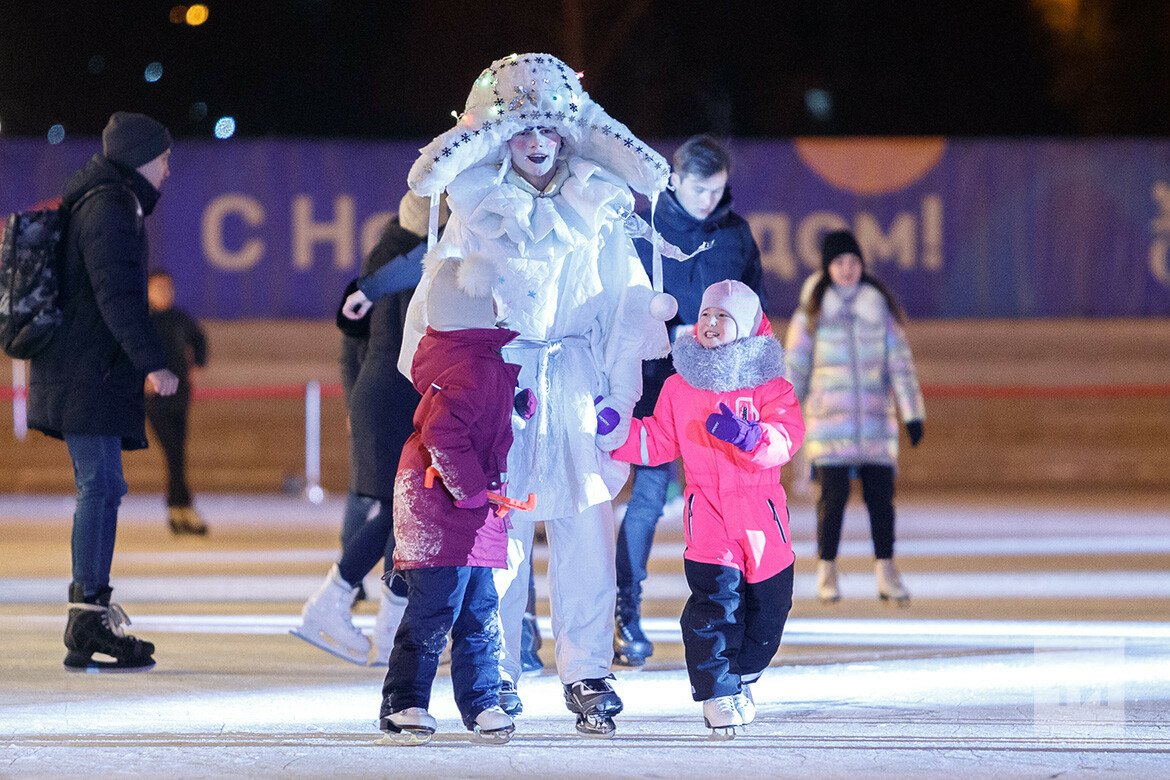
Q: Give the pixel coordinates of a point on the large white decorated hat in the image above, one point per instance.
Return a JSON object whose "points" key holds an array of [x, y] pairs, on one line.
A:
{"points": [[534, 90]]}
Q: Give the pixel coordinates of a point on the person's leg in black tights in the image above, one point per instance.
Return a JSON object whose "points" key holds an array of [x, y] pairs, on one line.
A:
{"points": [[834, 494]]}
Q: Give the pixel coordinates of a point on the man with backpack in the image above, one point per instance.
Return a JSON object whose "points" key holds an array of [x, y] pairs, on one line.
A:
{"points": [[86, 385]]}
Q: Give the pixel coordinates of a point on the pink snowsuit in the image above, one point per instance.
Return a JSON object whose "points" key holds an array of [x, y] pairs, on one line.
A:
{"points": [[736, 511]]}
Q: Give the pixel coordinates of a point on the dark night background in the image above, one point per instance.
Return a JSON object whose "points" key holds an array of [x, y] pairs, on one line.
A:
{"points": [[388, 69]]}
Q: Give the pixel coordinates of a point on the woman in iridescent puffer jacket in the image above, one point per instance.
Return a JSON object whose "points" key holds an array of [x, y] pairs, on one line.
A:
{"points": [[850, 363]]}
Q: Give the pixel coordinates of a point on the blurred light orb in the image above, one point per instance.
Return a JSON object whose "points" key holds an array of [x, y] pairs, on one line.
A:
{"points": [[315, 494], [197, 111], [153, 72], [96, 64], [197, 14], [819, 103], [56, 134], [178, 14], [225, 127]]}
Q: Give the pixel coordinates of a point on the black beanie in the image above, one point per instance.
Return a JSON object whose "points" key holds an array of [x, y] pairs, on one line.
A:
{"points": [[134, 139], [837, 243]]}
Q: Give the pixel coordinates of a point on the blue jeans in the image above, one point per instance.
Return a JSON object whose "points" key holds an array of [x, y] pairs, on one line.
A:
{"points": [[647, 499], [460, 600], [97, 472]]}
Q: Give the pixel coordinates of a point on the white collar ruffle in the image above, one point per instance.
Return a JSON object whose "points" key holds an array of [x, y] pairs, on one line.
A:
{"points": [[491, 206]]}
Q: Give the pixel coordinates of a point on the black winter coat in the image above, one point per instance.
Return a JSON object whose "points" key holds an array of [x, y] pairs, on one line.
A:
{"points": [[734, 256], [89, 379], [382, 401]]}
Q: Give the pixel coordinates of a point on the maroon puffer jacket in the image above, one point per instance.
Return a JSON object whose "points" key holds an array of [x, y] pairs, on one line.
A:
{"points": [[463, 427]]}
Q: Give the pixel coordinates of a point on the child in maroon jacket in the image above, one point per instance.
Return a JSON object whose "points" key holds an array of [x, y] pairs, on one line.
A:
{"points": [[449, 537]]}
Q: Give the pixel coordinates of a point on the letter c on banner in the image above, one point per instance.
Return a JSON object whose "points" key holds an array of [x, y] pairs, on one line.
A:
{"points": [[248, 255]]}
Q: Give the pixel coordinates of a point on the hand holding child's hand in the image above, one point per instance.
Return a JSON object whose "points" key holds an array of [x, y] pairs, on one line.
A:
{"points": [[612, 427], [725, 426]]}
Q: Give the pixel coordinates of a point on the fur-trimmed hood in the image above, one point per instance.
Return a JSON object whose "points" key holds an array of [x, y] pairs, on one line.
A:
{"points": [[746, 362]]}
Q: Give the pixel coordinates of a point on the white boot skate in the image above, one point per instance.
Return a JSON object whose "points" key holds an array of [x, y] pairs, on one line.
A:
{"points": [[390, 609], [745, 704], [889, 583], [722, 717], [326, 621], [827, 589], [493, 726], [411, 726]]}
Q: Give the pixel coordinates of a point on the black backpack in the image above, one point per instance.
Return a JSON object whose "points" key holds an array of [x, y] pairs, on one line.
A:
{"points": [[30, 261]]}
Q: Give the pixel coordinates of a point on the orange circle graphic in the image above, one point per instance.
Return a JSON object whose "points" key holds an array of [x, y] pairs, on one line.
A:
{"points": [[870, 166]]}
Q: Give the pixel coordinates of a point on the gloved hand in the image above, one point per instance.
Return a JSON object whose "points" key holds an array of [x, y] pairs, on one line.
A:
{"points": [[914, 430], [607, 417], [525, 404], [613, 427], [472, 502], [724, 425]]}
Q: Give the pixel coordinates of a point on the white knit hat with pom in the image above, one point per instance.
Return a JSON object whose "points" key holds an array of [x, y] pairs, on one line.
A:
{"points": [[738, 300], [456, 297], [534, 90]]}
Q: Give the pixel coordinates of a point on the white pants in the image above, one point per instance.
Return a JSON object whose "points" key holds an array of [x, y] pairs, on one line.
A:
{"points": [[582, 584]]}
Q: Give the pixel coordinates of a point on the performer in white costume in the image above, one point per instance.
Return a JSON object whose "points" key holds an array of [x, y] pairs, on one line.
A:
{"points": [[538, 179]]}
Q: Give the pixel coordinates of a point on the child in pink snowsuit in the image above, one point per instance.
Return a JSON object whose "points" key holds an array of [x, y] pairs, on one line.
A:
{"points": [[734, 419]]}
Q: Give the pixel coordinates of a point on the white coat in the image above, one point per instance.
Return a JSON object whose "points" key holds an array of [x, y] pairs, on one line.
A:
{"points": [[570, 282]]}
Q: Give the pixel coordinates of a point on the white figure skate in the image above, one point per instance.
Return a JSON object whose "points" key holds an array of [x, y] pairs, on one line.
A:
{"points": [[722, 717], [493, 726], [390, 609], [326, 621], [827, 589], [411, 726], [889, 583], [745, 704]]}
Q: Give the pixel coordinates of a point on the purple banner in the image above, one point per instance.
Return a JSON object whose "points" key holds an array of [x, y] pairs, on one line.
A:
{"points": [[956, 228]]}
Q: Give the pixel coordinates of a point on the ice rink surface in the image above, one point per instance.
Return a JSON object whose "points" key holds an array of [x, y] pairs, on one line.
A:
{"points": [[1037, 645]]}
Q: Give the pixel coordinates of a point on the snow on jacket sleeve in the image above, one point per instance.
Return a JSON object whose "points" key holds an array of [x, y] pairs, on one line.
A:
{"points": [[653, 440], [445, 430], [903, 377], [782, 426]]}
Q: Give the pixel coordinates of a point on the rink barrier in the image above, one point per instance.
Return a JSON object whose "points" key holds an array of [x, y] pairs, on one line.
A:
{"points": [[313, 391]]}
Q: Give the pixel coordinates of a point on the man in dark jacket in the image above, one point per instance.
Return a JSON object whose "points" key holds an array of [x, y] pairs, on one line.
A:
{"points": [[697, 208], [86, 387], [186, 346]]}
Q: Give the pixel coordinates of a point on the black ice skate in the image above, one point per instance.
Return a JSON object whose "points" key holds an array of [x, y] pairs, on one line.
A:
{"points": [[509, 698], [95, 637], [630, 645], [595, 703]]}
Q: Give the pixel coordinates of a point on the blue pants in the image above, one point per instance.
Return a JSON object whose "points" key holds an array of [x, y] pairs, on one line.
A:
{"points": [[97, 472], [456, 599], [647, 498], [731, 628]]}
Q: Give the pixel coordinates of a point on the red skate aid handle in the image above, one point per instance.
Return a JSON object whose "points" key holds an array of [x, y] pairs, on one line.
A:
{"points": [[504, 502]]}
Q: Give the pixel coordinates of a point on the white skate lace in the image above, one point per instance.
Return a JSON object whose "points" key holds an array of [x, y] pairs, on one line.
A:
{"points": [[113, 616]]}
